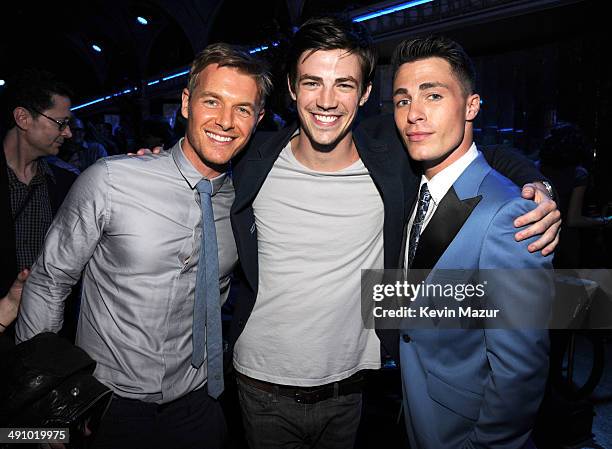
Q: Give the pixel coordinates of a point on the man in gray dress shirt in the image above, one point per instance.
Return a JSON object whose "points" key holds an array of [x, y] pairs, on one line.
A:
{"points": [[134, 226]]}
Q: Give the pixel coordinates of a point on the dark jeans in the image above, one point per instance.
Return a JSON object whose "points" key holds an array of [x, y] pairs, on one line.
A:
{"points": [[272, 421], [194, 421]]}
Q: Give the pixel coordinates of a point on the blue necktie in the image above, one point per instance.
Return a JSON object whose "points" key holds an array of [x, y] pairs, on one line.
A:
{"points": [[417, 224], [207, 307]]}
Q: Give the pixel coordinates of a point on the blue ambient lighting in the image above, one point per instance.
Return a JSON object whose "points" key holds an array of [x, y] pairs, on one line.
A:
{"points": [[89, 103], [390, 10], [176, 75], [257, 49]]}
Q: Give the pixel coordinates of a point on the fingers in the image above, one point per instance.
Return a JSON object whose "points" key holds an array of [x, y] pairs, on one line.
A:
{"points": [[143, 151], [23, 275], [548, 249], [543, 209], [547, 241], [539, 223], [528, 191]]}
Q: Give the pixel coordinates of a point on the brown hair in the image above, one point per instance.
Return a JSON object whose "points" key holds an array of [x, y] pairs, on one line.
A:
{"points": [[226, 55]]}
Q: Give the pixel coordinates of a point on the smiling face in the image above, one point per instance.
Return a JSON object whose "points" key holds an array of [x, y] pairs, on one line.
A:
{"points": [[432, 113], [328, 95], [43, 134], [222, 113]]}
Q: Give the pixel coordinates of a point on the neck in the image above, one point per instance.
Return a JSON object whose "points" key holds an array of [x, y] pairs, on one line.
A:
{"points": [[325, 158], [432, 168], [206, 169], [20, 157]]}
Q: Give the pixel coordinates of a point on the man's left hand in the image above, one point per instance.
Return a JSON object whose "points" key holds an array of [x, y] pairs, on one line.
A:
{"points": [[545, 220]]}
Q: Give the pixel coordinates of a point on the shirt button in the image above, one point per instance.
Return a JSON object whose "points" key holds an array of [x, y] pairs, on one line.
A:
{"points": [[406, 338]]}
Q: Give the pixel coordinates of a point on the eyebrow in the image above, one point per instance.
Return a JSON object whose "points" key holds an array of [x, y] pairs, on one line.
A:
{"points": [[209, 94], [218, 97], [424, 86], [318, 79], [432, 84]]}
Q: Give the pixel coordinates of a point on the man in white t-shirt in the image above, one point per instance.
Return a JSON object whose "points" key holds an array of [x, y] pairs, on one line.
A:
{"points": [[316, 203]]}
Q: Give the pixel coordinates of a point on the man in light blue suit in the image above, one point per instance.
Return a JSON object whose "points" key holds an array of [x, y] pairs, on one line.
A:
{"points": [[464, 388]]}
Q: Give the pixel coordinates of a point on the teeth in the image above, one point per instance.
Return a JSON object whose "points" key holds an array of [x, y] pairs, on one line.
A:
{"points": [[217, 137], [326, 118]]}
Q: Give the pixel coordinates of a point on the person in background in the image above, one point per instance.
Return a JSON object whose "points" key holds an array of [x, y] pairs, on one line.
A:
{"points": [[83, 151], [561, 159], [37, 116]]}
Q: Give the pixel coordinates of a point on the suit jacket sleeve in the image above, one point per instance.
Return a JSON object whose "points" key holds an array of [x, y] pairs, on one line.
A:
{"points": [[518, 359], [69, 244], [513, 165]]}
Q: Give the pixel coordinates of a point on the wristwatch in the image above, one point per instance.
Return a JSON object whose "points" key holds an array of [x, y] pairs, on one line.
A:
{"points": [[549, 188]]}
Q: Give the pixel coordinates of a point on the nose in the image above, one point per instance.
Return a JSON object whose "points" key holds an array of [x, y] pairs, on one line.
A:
{"points": [[327, 98], [225, 119], [67, 132], [416, 112]]}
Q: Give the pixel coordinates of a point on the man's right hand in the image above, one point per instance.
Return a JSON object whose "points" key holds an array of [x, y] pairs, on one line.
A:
{"points": [[9, 305]]}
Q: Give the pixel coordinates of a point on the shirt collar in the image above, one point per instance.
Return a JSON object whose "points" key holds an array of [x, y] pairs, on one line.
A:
{"points": [[189, 172], [442, 181]]}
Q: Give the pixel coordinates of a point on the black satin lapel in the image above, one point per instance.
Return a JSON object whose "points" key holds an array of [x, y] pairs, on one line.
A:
{"points": [[448, 219]]}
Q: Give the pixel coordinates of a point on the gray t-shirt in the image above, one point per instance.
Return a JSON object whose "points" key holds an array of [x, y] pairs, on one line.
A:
{"points": [[315, 231]]}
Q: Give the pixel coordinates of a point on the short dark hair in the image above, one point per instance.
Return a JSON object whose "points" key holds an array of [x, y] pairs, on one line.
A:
{"points": [[333, 33], [33, 90], [438, 47], [226, 55]]}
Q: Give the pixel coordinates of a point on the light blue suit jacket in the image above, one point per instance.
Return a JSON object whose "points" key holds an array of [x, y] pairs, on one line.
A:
{"points": [[477, 388]]}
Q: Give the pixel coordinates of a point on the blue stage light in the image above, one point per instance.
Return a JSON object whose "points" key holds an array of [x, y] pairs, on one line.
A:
{"points": [[141, 20], [258, 49], [97, 48], [389, 10], [169, 77]]}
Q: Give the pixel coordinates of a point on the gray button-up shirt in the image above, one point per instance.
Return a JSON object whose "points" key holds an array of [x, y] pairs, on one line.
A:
{"points": [[134, 226]]}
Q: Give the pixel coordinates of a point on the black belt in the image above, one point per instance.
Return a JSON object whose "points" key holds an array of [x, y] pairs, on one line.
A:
{"points": [[309, 395]]}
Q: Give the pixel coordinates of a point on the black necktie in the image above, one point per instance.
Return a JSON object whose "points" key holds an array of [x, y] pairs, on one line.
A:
{"points": [[417, 224]]}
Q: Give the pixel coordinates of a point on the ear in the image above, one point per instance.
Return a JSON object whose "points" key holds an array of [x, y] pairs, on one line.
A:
{"points": [[472, 107], [185, 103], [22, 117], [365, 95], [290, 87], [261, 114]]}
